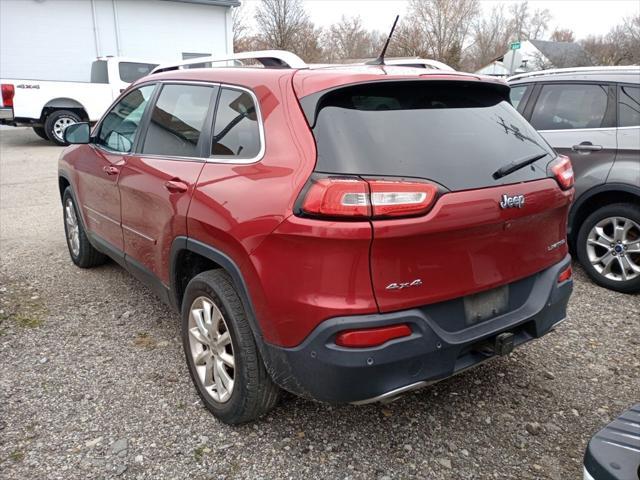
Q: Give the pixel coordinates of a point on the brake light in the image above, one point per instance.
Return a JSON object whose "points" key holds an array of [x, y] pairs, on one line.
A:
{"points": [[8, 91], [371, 337], [337, 197], [355, 197], [563, 171], [565, 274]]}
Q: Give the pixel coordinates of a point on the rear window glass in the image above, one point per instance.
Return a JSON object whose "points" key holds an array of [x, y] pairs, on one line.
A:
{"points": [[629, 106], [177, 120], [131, 71], [457, 135]]}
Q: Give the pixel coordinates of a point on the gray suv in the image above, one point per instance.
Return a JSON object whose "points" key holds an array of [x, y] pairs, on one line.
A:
{"points": [[592, 115]]}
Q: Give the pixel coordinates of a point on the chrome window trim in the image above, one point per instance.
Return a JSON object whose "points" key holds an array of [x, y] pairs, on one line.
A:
{"points": [[211, 159], [598, 129]]}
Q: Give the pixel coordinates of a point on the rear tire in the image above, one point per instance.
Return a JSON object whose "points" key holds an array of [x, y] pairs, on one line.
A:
{"points": [[604, 255], [56, 122], [40, 132], [223, 358], [80, 249]]}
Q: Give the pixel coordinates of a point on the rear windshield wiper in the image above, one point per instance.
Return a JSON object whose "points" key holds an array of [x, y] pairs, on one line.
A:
{"points": [[517, 165]]}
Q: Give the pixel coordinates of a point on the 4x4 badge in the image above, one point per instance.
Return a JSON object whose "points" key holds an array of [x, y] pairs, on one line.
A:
{"points": [[515, 201], [399, 286]]}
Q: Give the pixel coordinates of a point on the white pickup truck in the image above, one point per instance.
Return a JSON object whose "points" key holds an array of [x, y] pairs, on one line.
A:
{"points": [[50, 106]]}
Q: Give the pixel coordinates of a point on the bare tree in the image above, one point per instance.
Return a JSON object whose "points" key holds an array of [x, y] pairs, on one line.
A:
{"points": [[526, 25], [491, 36], [621, 46], [538, 24], [280, 22], [284, 24], [437, 29], [563, 35], [242, 38], [348, 39]]}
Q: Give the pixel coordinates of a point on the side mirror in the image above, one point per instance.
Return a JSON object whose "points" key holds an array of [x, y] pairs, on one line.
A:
{"points": [[77, 133]]}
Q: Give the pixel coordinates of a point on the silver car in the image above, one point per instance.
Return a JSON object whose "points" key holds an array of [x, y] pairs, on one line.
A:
{"points": [[592, 115]]}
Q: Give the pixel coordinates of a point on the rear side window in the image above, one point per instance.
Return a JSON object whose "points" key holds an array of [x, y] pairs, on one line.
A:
{"points": [[132, 71], [456, 134], [629, 106], [236, 134], [177, 120], [568, 106], [99, 72]]}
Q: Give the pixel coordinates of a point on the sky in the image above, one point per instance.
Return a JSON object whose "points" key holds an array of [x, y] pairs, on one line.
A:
{"points": [[584, 17]]}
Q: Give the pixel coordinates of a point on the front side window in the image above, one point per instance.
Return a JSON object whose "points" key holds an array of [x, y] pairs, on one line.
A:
{"points": [[118, 129], [236, 133], [132, 71], [177, 120], [570, 106], [629, 106]]}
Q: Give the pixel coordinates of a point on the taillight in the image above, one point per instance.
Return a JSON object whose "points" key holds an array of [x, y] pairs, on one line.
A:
{"points": [[400, 199], [565, 274], [371, 337], [337, 197], [354, 197], [8, 91], [563, 171]]}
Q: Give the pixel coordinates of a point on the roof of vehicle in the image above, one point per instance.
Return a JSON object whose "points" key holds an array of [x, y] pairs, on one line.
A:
{"points": [[308, 81], [625, 74]]}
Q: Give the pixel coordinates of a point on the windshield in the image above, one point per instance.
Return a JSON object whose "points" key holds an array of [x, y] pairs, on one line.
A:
{"points": [[455, 134]]}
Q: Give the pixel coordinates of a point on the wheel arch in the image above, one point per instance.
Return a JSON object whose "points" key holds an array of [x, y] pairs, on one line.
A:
{"points": [[597, 197], [64, 103], [190, 257]]}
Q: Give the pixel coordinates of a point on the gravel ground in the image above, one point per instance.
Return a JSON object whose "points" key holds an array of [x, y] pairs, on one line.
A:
{"points": [[93, 381]]}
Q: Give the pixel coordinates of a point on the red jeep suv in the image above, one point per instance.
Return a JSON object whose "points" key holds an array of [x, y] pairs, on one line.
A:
{"points": [[345, 233]]}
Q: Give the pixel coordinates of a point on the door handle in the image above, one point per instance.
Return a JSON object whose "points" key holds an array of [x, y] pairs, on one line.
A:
{"points": [[176, 185], [586, 147], [110, 170]]}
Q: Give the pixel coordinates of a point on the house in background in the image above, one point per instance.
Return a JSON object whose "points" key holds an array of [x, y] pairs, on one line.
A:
{"points": [[538, 55], [58, 39]]}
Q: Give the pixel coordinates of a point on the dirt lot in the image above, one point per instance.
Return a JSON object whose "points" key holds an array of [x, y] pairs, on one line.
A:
{"points": [[93, 382]]}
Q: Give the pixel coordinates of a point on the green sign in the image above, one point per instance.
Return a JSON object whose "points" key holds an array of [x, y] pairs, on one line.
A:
{"points": [[514, 45]]}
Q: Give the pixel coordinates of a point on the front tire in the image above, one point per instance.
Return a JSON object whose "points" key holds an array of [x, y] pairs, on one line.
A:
{"points": [[608, 247], [221, 352], [55, 124], [80, 249]]}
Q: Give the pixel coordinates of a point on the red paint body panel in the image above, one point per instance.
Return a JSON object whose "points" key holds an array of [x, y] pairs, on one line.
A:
{"points": [[152, 216], [467, 244]]}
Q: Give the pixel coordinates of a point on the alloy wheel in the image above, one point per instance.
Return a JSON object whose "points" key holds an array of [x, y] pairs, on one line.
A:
{"points": [[73, 228], [613, 248], [60, 125], [211, 349]]}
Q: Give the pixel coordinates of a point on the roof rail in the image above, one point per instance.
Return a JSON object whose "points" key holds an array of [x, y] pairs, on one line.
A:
{"points": [[553, 71], [268, 58]]}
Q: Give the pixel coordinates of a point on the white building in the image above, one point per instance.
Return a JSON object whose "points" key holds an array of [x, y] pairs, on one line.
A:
{"points": [[58, 39]]}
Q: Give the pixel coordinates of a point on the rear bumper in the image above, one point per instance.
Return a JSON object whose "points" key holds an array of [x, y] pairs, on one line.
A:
{"points": [[6, 114], [321, 370]]}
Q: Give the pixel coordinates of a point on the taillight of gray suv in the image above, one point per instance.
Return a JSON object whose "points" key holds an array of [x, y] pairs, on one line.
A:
{"points": [[592, 115]]}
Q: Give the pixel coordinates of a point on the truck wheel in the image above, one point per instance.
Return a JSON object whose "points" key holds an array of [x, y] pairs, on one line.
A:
{"points": [[222, 355], [41, 133], [608, 247], [56, 122], [80, 249]]}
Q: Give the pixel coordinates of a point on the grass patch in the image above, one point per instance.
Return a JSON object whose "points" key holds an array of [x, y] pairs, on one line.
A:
{"points": [[199, 452], [20, 306], [17, 455]]}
